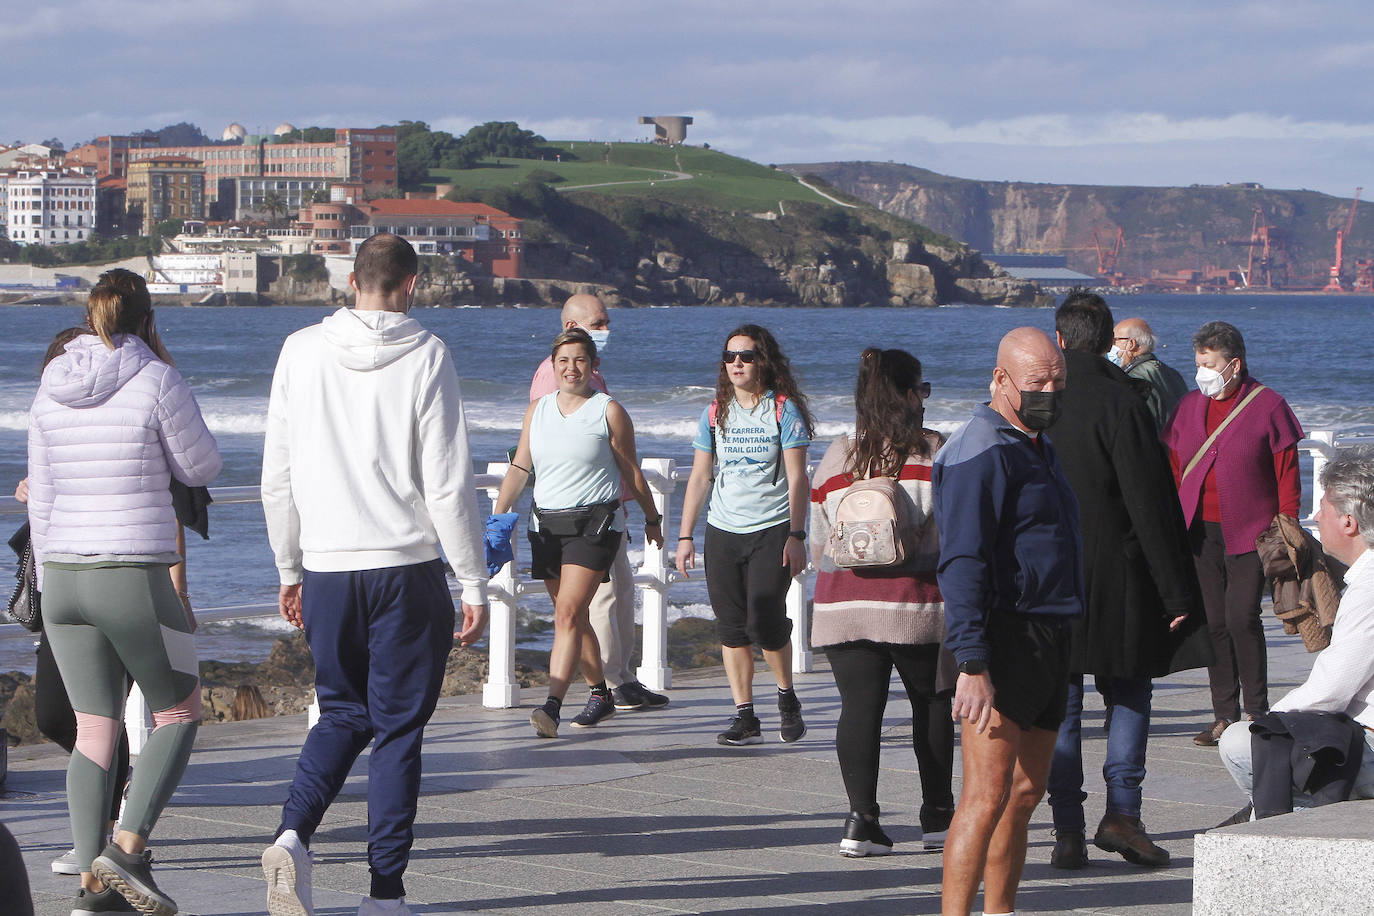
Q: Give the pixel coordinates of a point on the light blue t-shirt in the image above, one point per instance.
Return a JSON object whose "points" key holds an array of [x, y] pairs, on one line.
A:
{"points": [[574, 464], [748, 448]]}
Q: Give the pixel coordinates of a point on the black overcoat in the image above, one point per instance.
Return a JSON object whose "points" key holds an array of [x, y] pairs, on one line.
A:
{"points": [[1137, 563]]}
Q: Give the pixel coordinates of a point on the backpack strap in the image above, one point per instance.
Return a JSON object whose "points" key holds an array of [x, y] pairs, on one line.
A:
{"points": [[779, 402]]}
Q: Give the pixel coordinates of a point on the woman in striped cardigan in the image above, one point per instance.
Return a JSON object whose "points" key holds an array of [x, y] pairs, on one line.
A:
{"points": [[872, 620]]}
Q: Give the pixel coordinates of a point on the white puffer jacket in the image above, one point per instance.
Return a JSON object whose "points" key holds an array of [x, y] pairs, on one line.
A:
{"points": [[107, 430]]}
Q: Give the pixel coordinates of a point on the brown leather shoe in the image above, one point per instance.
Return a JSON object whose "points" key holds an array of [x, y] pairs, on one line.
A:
{"points": [[1126, 835], [1070, 850], [1209, 736]]}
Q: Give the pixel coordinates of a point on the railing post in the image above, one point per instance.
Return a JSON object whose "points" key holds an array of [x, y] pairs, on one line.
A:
{"points": [[653, 671], [801, 629], [1319, 459], [136, 720], [501, 691]]}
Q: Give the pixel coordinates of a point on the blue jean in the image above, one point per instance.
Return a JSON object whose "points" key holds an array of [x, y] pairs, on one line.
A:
{"points": [[1124, 769], [380, 638]]}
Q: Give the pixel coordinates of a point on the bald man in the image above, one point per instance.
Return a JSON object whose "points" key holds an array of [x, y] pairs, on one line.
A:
{"points": [[1133, 349], [613, 606], [1011, 575]]}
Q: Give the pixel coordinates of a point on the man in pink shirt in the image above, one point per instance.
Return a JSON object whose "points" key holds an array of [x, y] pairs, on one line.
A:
{"points": [[613, 608]]}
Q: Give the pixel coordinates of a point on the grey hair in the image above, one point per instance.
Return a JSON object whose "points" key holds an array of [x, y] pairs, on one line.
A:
{"points": [[1143, 337], [1348, 481]]}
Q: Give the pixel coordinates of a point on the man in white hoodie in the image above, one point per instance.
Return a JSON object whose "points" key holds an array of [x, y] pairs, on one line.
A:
{"points": [[365, 476]]}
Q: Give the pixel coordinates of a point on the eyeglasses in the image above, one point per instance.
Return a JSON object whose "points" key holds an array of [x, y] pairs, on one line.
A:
{"points": [[729, 356], [1127, 339], [923, 390]]}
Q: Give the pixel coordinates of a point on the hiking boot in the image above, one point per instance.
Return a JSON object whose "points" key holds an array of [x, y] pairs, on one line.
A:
{"points": [[1126, 835], [286, 865], [789, 711], [742, 730], [1243, 816], [545, 724], [65, 864], [598, 707], [371, 906], [1209, 736], [1070, 850], [634, 695], [935, 826], [863, 837], [107, 901], [132, 876]]}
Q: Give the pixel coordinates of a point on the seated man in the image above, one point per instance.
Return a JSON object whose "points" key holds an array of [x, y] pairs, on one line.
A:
{"points": [[1342, 678]]}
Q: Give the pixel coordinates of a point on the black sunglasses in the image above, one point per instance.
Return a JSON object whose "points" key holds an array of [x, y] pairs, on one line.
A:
{"points": [[729, 356], [923, 390]]}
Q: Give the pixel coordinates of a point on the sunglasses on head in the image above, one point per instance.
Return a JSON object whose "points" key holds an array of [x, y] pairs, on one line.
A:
{"points": [[748, 356]]}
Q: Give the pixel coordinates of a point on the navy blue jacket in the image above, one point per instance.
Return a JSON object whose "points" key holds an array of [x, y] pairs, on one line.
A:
{"points": [[1009, 535]]}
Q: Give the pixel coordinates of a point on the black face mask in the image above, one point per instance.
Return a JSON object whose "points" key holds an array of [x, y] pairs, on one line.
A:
{"points": [[1039, 409]]}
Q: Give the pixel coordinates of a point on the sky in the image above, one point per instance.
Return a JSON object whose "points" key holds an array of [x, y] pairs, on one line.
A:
{"points": [[1065, 91]]}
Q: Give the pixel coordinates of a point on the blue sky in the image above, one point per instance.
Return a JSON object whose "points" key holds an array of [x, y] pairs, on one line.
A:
{"points": [[1154, 93]]}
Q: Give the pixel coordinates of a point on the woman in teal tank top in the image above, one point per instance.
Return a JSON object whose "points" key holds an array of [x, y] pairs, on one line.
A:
{"points": [[580, 445]]}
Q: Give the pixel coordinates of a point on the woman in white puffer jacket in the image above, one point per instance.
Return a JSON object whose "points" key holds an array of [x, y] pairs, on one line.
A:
{"points": [[111, 424]]}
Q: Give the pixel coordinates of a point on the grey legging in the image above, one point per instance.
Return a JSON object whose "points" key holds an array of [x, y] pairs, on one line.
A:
{"points": [[102, 622]]}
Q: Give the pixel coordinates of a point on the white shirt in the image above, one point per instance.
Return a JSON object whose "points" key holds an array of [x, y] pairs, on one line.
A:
{"points": [[1342, 678]]}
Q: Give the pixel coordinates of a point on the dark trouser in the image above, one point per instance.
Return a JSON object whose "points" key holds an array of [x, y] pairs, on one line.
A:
{"points": [[52, 712], [1231, 588], [747, 584], [863, 671], [1123, 771], [380, 638]]}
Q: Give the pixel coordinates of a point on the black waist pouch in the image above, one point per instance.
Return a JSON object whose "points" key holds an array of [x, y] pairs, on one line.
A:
{"points": [[589, 521]]}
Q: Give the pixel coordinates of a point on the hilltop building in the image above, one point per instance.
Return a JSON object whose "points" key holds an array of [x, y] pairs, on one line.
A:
{"points": [[165, 187], [669, 129], [49, 205]]}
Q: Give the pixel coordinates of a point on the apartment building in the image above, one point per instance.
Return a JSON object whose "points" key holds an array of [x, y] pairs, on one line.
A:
{"points": [[49, 206], [108, 155], [251, 196], [165, 187]]}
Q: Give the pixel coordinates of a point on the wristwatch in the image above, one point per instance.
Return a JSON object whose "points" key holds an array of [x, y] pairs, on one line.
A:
{"points": [[973, 666], [799, 535]]}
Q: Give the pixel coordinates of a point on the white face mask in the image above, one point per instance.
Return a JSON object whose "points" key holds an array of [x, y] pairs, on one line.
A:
{"points": [[600, 338], [1211, 382], [1117, 356]]}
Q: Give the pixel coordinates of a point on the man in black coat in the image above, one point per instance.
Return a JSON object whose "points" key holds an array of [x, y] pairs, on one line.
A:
{"points": [[1143, 617]]}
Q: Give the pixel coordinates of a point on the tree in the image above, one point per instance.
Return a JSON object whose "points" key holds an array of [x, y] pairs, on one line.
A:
{"points": [[274, 206], [504, 138], [419, 149]]}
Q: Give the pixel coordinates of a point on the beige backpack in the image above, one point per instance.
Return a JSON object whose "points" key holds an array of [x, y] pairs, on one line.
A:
{"points": [[872, 527]]}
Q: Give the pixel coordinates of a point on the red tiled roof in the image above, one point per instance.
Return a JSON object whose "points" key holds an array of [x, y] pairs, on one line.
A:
{"points": [[394, 206], [113, 182]]}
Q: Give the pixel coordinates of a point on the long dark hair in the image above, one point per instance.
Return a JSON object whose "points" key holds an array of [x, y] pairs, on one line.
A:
{"points": [[888, 427], [775, 371]]}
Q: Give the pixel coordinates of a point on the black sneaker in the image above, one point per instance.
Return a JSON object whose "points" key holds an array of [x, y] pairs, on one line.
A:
{"points": [[545, 724], [598, 708], [742, 730], [863, 837], [107, 901], [792, 727], [634, 695], [132, 876], [935, 826]]}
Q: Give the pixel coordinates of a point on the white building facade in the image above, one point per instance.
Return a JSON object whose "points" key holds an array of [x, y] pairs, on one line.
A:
{"points": [[49, 206]]}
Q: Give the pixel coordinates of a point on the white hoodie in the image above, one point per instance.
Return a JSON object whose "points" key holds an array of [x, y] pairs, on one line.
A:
{"points": [[366, 462]]}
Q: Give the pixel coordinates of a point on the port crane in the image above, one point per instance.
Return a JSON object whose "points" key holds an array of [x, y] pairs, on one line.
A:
{"points": [[1334, 285], [1107, 258]]}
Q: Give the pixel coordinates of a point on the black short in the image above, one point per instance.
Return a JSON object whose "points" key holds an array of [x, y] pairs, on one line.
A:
{"points": [[549, 553], [748, 585], [1029, 664]]}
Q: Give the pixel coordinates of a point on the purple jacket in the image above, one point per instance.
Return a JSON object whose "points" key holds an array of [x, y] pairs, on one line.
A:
{"points": [[1244, 457]]}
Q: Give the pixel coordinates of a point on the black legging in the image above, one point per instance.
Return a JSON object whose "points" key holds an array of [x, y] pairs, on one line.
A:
{"points": [[52, 711], [863, 672]]}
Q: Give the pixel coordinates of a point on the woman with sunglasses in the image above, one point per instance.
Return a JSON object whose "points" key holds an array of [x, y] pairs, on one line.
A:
{"points": [[580, 445], [758, 429], [871, 620]]}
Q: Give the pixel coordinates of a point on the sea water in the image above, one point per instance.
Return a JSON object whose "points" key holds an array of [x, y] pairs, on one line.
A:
{"points": [[661, 364]]}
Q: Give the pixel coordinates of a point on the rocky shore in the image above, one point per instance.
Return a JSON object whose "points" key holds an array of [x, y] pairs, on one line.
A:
{"points": [[285, 680]]}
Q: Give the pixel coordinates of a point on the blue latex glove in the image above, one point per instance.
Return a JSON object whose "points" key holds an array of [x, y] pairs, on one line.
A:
{"points": [[497, 540]]}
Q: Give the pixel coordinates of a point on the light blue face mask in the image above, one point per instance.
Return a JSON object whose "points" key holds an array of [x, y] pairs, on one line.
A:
{"points": [[1116, 356], [600, 338]]}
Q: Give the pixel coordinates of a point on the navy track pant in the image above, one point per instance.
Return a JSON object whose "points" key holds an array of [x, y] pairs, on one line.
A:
{"points": [[380, 638]]}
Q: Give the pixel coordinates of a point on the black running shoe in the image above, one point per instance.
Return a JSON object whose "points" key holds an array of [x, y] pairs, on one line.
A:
{"points": [[107, 901], [742, 730], [634, 695], [598, 708], [132, 876], [545, 724], [863, 837], [789, 710], [935, 826]]}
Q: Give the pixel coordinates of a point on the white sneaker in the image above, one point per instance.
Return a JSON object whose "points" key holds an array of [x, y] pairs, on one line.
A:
{"points": [[286, 864], [65, 864], [371, 906]]}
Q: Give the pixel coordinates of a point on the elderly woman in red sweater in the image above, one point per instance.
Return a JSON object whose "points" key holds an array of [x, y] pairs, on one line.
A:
{"points": [[1233, 446]]}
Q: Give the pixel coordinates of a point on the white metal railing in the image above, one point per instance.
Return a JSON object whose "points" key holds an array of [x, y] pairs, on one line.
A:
{"points": [[653, 580]]}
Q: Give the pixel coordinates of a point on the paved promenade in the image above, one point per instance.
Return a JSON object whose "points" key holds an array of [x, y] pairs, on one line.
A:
{"points": [[645, 814]]}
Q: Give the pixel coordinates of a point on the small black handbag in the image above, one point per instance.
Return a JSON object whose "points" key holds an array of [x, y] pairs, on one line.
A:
{"points": [[25, 603]]}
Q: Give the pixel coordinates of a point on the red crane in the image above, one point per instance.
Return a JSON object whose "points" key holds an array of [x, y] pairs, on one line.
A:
{"points": [[1334, 284], [1106, 259]]}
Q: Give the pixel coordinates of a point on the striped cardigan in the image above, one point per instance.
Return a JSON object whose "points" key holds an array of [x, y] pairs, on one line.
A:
{"points": [[901, 605]]}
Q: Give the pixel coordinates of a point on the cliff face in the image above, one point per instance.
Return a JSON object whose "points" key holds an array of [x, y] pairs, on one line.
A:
{"points": [[1164, 229]]}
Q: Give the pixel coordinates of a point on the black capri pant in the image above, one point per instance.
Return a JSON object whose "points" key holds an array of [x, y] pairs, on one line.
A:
{"points": [[747, 583]]}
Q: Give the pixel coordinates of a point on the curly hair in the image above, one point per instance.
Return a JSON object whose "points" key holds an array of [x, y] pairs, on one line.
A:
{"points": [[888, 427], [775, 372]]}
